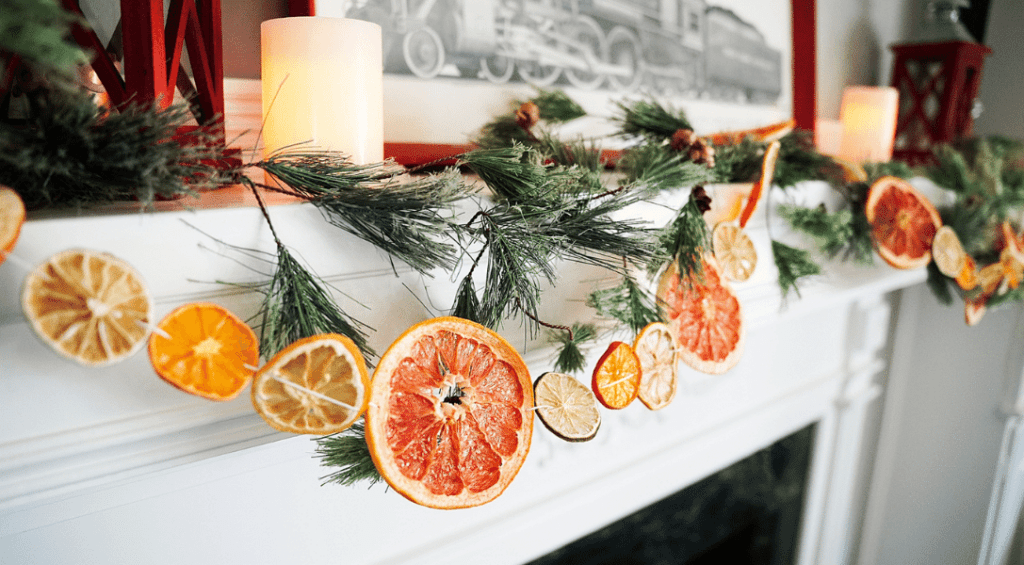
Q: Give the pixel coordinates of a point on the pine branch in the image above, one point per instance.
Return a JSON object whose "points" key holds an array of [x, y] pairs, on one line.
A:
{"points": [[654, 168], [467, 303], [38, 31], [650, 120], [793, 264], [578, 153], [404, 218], [556, 106], [834, 233], [628, 303], [348, 452], [506, 131], [799, 161], [899, 169], [516, 259], [740, 162], [70, 154], [686, 239], [570, 357], [297, 305], [513, 173]]}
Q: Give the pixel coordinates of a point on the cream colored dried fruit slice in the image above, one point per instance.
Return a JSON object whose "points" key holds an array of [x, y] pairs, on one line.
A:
{"points": [[317, 385], [655, 348], [948, 253], [12, 217], [88, 306], [566, 407], [734, 252]]}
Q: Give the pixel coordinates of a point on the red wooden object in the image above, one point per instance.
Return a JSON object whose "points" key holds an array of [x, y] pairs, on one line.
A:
{"points": [[152, 56], [938, 84], [804, 64]]}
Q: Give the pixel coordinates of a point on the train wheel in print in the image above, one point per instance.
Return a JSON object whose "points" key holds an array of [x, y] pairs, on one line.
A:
{"points": [[497, 68], [585, 31], [537, 74], [424, 52], [625, 52]]}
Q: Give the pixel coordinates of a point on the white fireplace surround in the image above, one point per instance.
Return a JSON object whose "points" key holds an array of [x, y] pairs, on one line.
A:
{"points": [[116, 465]]}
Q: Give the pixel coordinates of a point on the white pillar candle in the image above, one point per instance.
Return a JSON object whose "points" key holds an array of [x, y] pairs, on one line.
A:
{"points": [[869, 123], [323, 86], [828, 136]]}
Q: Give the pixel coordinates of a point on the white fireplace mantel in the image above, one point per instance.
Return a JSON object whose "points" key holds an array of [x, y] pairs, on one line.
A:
{"points": [[113, 463]]}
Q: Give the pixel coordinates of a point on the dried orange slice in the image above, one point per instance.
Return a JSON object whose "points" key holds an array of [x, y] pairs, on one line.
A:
{"points": [[1011, 242], [734, 252], [948, 253], [12, 217], [616, 379], [88, 306], [903, 223], [655, 349], [974, 310], [450, 416], [705, 318], [968, 276], [763, 182], [317, 385], [566, 407], [726, 201], [205, 350], [852, 171], [771, 132]]}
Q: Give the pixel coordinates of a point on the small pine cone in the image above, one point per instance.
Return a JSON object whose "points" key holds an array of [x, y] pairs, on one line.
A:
{"points": [[702, 152], [701, 198], [682, 139], [527, 115]]}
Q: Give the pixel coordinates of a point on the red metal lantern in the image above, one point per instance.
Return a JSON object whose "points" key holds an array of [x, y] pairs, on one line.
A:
{"points": [[938, 84]]}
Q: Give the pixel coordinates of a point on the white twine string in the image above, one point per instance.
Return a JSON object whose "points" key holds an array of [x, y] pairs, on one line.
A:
{"points": [[153, 328], [313, 393], [23, 264]]}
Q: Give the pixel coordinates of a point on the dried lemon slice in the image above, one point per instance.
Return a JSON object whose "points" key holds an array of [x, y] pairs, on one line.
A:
{"points": [[734, 252], [12, 217], [317, 385], [566, 407], [654, 347], [88, 306], [948, 253]]}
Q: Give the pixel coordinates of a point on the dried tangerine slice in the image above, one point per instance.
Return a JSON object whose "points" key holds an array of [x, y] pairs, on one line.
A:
{"points": [[967, 278], [705, 318], [205, 350], [616, 380], [1011, 242], [88, 306], [903, 223], [770, 132], [656, 351], [316, 385], [763, 182], [450, 416], [734, 252], [948, 253], [12, 217], [974, 310], [566, 407]]}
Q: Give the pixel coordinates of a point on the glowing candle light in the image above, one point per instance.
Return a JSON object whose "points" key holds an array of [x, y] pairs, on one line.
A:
{"points": [[323, 86], [869, 123]]}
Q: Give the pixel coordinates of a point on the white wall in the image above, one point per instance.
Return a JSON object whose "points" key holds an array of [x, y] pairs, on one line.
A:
{"points": [[1002, 80]]}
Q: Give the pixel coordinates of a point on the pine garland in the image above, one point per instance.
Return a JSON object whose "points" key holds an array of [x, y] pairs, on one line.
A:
{"points": [[835, 233], [349, 455], [649, 120], [793, 264], [37, 31], [628, 303], [686, 239], [656, 168]]}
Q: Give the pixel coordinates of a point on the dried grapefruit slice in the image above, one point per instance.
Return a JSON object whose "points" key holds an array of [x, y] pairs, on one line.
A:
{"points": [[734, 252], [450, 415], [616, 380], [948, 253], [903, 223], [205, 350], [705, 318], [317, 385], [12, 217], [566, 407], [655, 349], [763, 182], [88, 306]]}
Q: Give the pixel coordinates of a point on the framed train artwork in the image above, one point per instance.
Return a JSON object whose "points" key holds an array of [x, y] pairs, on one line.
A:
{"points": [[452, 65]]}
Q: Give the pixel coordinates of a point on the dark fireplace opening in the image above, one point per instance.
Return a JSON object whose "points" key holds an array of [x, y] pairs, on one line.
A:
{"points": [[747, 513]]}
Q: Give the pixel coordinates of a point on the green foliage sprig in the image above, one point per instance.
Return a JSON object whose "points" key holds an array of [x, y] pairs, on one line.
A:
{"points": [[554, 107], [348, 454], [793, 264], [649, 120], [570, 358], [38, 32], [655, 168], [407, 218], [835, 233], [686, 239], [70, 153], [628, 302]]}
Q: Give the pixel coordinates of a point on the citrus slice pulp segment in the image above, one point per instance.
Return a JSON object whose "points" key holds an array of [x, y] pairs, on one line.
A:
{"points": [[317, 385], [705, 319], [616, 379], [903, 223], [12, 217], [948, 253], [566, 407], [734, 252], [205, 350], [656, 351], [763, 182], [450, 417], [88, 306]]}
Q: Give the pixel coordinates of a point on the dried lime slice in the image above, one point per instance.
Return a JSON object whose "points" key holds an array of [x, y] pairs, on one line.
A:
{"points": [[566, 406]]}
